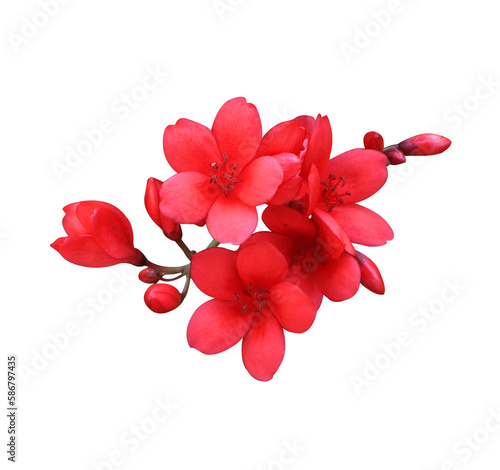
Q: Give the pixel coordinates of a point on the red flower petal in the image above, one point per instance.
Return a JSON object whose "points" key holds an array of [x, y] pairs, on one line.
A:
{"points": [[290, 164], [313, 189], [287, 192], [83, 251], [262, 265], [72, 225], [320, 145], [231, 221], [238, 131], [339, 279], [214, 272], [331, 237], [296, 275], [292, 307], [217, 325], [362, 225], [263, 347], [370, 275], [284, 219], [187, 197], [261, 179], [286, 245], [190, 146], [365, 172], [110, 235], [283, 137]]}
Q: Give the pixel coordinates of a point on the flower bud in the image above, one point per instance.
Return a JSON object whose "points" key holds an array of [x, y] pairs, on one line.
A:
{"points": [[370, 275], [171, 229], [394, 155], [424, 144], [162, 298], [374, 141], [150, 276], [99, 235]]}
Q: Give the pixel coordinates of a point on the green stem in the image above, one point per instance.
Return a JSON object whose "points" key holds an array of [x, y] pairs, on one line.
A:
{"points": [[169, 269], [213, 243], [185, 249], [186, 285]]}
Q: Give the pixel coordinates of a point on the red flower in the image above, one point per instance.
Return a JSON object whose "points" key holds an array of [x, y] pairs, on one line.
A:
{"points": [[321, 257], [99, 235], [219, 177], [252, 301], [297, 145], [349, 178], [171, 229]]}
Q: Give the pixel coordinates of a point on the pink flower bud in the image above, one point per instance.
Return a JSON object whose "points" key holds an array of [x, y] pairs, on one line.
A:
{"points": [[150, 276], [370, 275], [162, 298], [424, 144], [171, 229], [394, 155], [374, 141]]}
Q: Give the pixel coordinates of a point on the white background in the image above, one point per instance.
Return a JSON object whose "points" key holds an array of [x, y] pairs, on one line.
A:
{"points": [[421, 71]]}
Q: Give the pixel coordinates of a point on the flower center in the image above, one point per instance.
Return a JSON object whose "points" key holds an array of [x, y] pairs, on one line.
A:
{"points": [[307, 257], [332, 193], [224, 175], [254, 299]]}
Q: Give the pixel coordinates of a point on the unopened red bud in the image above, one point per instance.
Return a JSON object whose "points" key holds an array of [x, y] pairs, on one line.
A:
{"points": [[150, 276], [424, 144], [162, 298], [370, 275], [374, 141], [394, 155], [171, 229]]}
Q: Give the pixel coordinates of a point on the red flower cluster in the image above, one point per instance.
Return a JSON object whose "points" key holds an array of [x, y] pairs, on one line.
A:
{"points": [[276, 279]]}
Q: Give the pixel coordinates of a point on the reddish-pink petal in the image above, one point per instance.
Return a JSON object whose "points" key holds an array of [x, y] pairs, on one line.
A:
{"points": [[83, 251], [292, 307], [286, 137], [314, 187], [284, 219], [170, 228], [305, 281], [261, 179], [190, 146], [217, 325], [262, 265], [231, 221], [320, 145], [331, 239], [238, 131], [73, 226], [214, 272], [370, 275], [290, 164], [263, 347], [186, 197], [86, 209], [109, 234], [365, 172], [362, 225], [424, 144], [286, 192], [288, 246], [339, 278]]}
